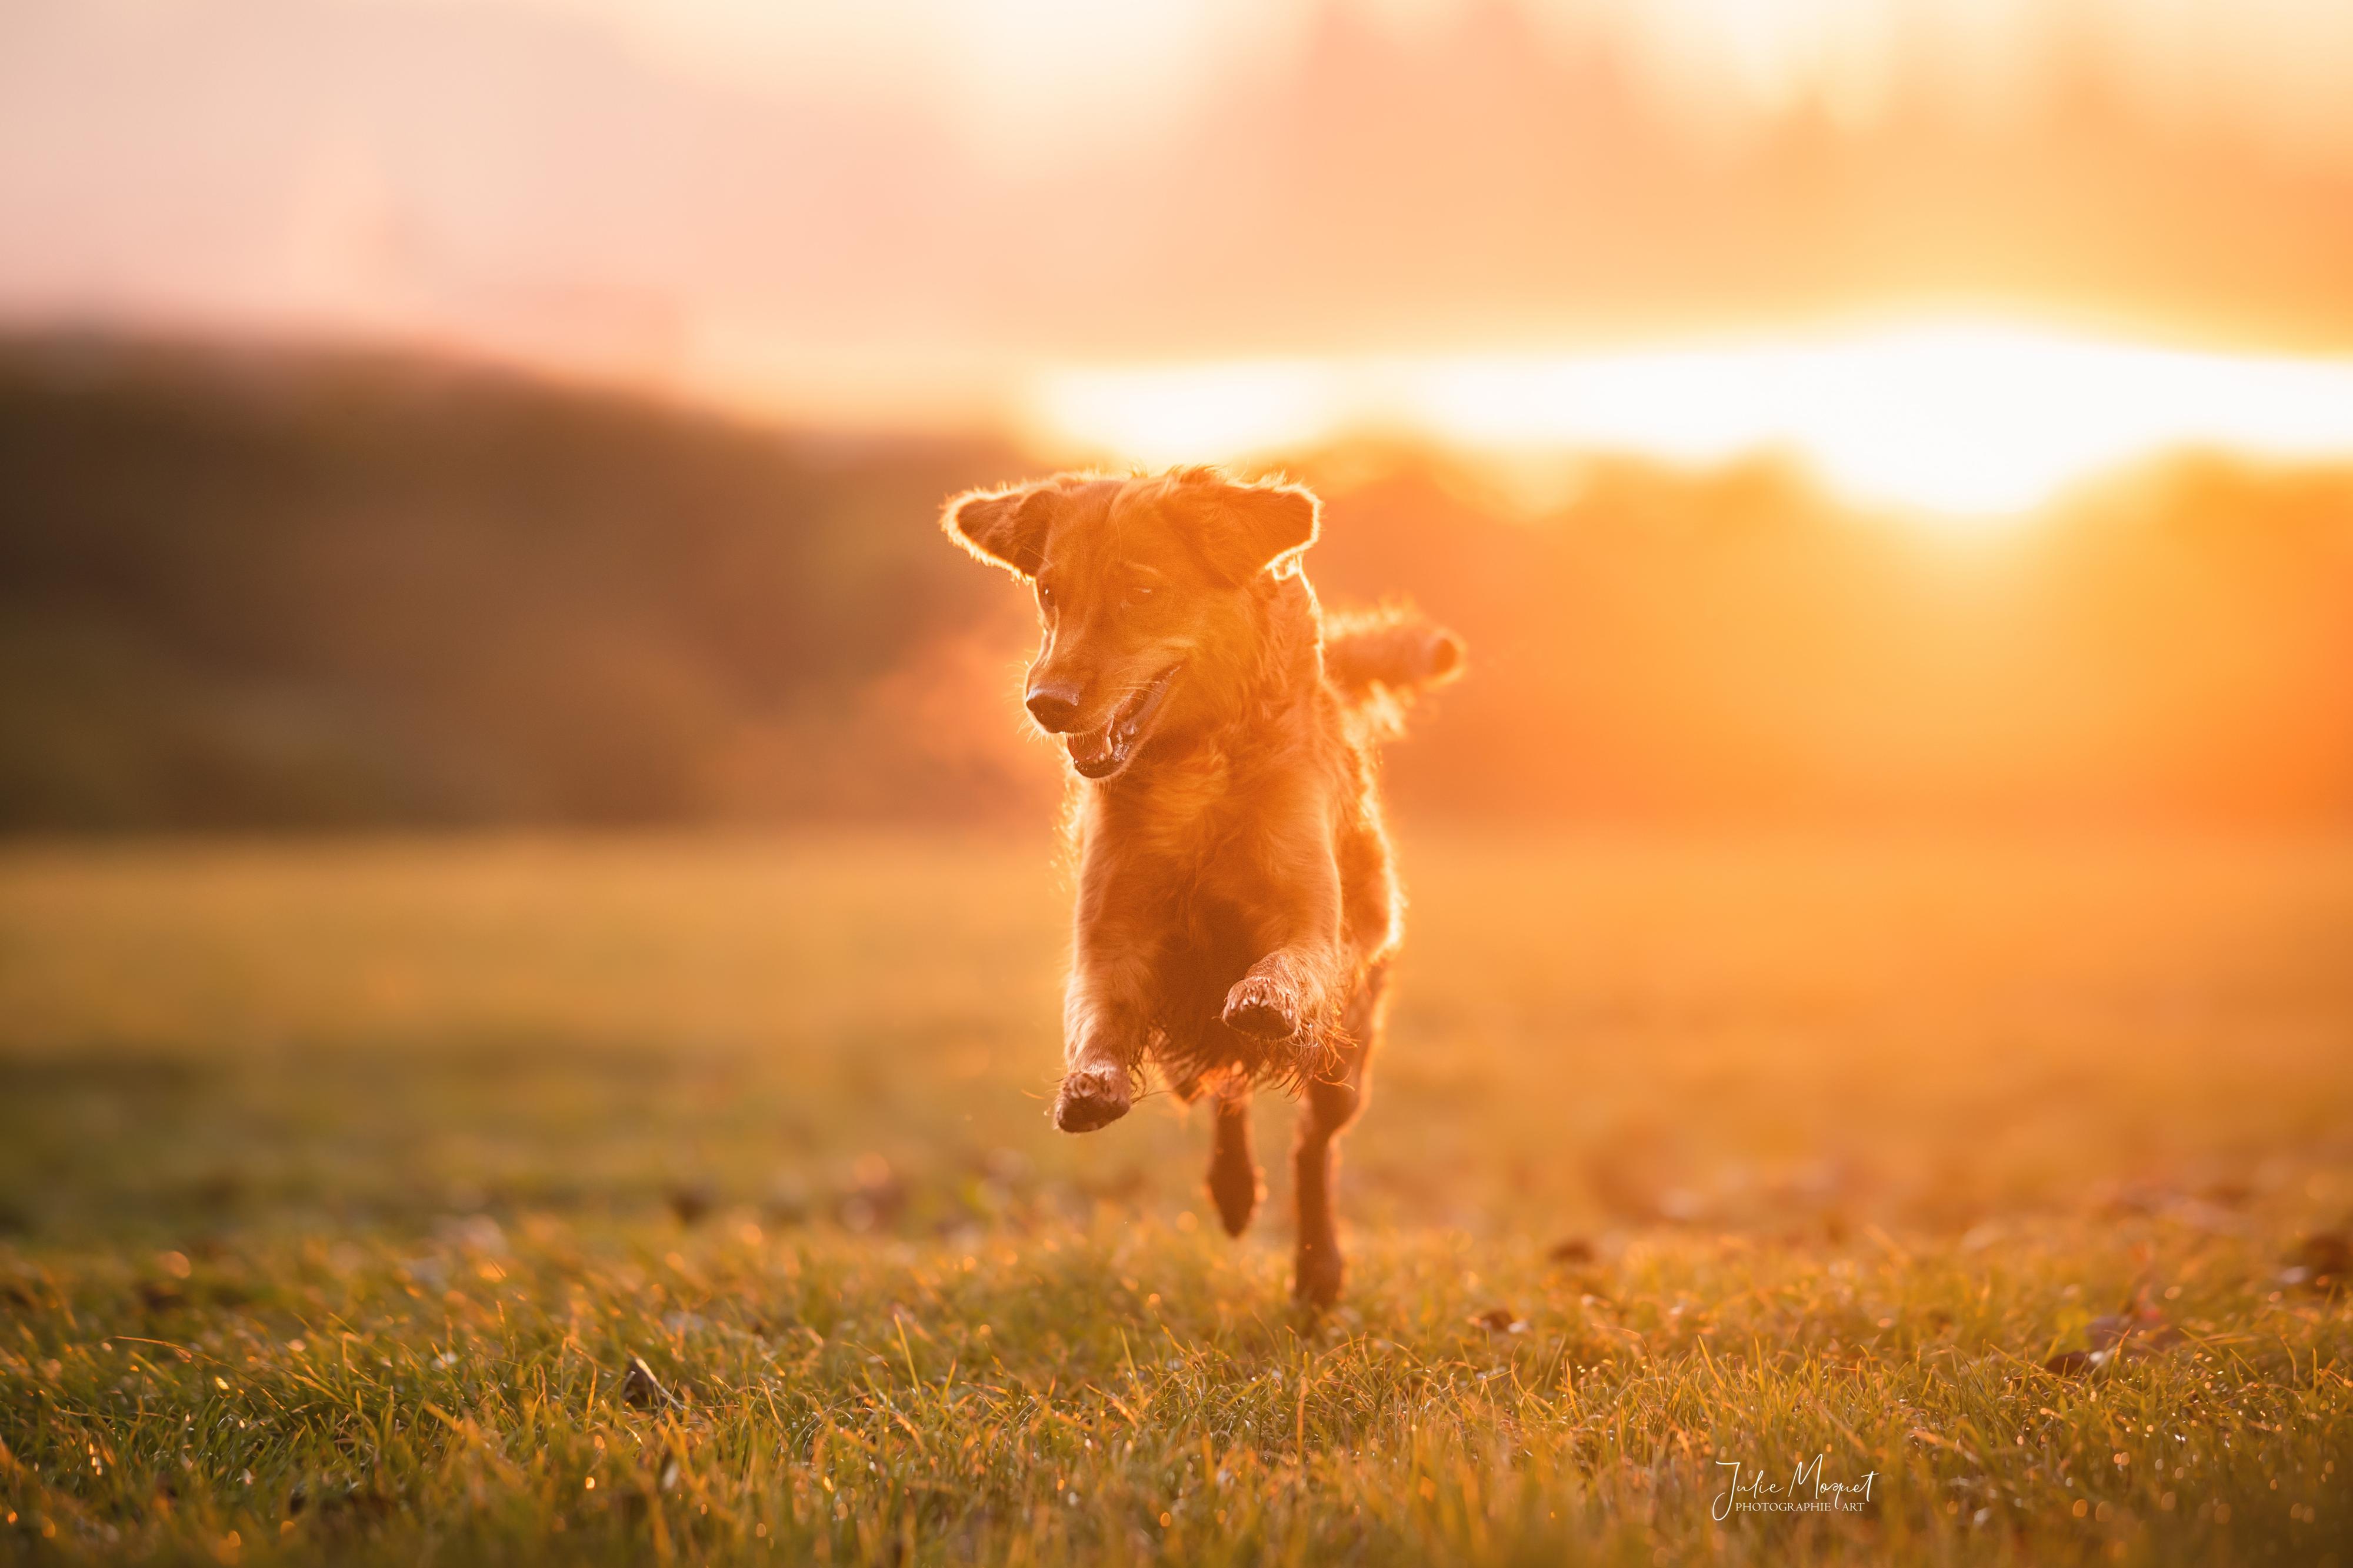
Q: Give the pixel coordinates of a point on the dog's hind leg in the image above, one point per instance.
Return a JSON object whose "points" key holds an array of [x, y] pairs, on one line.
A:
{"points": [[1233, 1170], [1331, 1102]]}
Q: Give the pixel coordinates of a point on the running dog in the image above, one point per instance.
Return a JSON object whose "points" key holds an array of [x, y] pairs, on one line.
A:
{"points": [[1237, 905]]}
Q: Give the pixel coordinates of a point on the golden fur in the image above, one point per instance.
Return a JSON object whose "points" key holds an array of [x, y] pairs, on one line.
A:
{"points": [[1237, 906]]}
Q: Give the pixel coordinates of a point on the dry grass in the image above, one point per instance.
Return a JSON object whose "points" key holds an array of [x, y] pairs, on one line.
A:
{"points": [[342, 1183]]}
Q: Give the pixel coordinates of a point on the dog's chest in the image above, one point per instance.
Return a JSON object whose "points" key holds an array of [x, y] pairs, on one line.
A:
{"points": [[1181, 816]]}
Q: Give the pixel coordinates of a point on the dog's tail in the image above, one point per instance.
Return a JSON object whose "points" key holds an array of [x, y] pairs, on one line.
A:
{"points": [[1378, 661]]}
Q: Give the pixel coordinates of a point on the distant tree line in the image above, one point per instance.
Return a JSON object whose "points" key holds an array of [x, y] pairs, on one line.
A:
{"points": [[249, 588]]}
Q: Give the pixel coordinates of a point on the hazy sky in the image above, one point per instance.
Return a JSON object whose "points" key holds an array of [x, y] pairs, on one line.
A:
{"points": [[910, 205]]}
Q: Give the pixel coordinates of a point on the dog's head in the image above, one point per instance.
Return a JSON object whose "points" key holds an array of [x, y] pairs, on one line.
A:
{"points": [[1147, 587]]}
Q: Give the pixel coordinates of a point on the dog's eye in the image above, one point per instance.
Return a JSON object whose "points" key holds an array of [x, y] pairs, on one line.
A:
{"points": [[1045, 597]]}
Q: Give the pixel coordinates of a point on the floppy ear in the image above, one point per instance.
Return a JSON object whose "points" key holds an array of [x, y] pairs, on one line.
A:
{"points": [[1254, 527], [1005, 527]]}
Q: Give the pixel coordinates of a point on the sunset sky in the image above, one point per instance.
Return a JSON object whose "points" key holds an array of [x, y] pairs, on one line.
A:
{"points": [[1686, 226]]}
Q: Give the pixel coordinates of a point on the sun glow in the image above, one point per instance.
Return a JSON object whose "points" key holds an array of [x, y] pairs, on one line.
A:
{"points": [[1960, 421]]}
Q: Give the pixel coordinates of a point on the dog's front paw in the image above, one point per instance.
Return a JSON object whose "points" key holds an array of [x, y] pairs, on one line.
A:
{"points": [[1093, 1096], [1262, 1008]]}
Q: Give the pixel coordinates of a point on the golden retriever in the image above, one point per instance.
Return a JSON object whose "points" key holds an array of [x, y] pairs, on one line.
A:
{"points": [[1237, 908]]}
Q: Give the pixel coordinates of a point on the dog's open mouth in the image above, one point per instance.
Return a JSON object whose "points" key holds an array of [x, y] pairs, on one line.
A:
{"points": [[1100, 752]]}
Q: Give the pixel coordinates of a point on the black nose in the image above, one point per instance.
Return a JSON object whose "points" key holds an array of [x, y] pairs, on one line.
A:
{"points": [[1056, 707]]}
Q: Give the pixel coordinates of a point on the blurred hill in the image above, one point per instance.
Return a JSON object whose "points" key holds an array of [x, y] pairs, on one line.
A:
{"points": [[261, 588]]}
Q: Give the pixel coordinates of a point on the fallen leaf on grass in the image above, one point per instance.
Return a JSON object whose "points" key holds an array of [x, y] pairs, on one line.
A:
{"points": [[689, 1204], [641, 1388], [2116, 1336], [2134, 1333], [2322, 1261], [363, 1502]]}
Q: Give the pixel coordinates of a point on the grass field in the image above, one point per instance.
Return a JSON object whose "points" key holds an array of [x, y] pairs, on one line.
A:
{"points": [[344, 1189]]}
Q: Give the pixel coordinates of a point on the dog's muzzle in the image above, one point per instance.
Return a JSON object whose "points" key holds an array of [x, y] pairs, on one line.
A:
{"points": [[1100, 753]]}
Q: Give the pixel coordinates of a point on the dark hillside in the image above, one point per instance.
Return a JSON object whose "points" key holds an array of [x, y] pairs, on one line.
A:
{"points": [[262, 589]]}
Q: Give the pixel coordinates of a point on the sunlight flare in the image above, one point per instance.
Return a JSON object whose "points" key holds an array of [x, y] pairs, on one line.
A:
{"points": [[1959, 421]]}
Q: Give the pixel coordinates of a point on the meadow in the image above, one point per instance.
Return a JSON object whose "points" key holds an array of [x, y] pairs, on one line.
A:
{"points": [[692, 1197]]}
